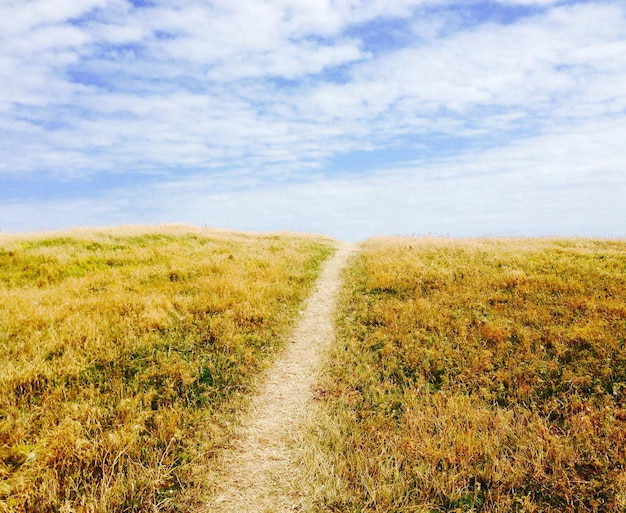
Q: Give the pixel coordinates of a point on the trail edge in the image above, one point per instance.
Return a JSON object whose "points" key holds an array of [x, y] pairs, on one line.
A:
{"points": [[261, 475]]}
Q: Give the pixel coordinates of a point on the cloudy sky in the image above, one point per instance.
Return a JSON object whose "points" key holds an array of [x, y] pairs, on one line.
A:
{"points": [[347, 117]]}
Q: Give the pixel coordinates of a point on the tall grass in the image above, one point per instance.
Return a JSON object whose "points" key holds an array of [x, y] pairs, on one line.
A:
{"points": [[477, 375], [125, 354]]}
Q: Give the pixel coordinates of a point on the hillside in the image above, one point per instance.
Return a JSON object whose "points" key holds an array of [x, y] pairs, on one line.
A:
{"points": [[126, 354], [464, 375], [476, 375]]}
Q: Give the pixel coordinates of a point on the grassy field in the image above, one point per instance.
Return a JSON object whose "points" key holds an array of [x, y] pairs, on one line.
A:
{"points": [[476, 375], [126, 354]]}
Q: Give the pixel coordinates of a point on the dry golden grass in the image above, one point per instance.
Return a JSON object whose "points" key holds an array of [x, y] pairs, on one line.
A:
{"points": [[476, 375], [125, 355]]}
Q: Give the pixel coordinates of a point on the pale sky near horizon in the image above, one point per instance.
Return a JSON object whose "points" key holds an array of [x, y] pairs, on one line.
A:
{"points": [[347, 117]]}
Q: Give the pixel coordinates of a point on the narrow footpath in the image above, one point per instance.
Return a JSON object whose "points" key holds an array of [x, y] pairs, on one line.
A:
{"points": [[260, 474]]}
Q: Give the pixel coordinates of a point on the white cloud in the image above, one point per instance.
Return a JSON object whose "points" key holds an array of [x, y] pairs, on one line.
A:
{"points": [[568, 182], [20, 16], [514, 65], [270, 92]]}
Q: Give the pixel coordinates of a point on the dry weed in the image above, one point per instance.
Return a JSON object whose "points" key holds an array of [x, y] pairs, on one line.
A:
{"points": [[477, 375], [125, 353]]}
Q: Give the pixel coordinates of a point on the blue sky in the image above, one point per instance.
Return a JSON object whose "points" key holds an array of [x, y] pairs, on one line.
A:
{"points": [[347, 117]]}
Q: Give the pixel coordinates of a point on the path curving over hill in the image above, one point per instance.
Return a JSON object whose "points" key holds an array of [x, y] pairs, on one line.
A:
{"points": [[260, 474]]}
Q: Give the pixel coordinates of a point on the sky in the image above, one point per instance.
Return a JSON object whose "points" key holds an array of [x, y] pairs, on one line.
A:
{"points": [[352, 118]]}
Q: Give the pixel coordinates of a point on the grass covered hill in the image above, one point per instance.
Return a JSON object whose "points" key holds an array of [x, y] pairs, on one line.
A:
{"points": [[476, 375], [125, 355], [467, 375]]}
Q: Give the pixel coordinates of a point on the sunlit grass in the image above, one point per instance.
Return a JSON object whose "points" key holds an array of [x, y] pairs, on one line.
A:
{"points": [[125, 355], [476, 375]]}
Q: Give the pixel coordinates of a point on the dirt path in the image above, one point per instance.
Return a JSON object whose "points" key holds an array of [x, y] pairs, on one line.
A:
{"points": [[261, 475]]}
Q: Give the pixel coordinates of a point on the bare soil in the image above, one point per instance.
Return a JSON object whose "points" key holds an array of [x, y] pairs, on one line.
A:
{"points": [[261, 474]]}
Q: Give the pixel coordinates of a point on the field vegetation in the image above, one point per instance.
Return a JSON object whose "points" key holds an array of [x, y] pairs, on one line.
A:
{"points": [[125, 356], [476, 375]]}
